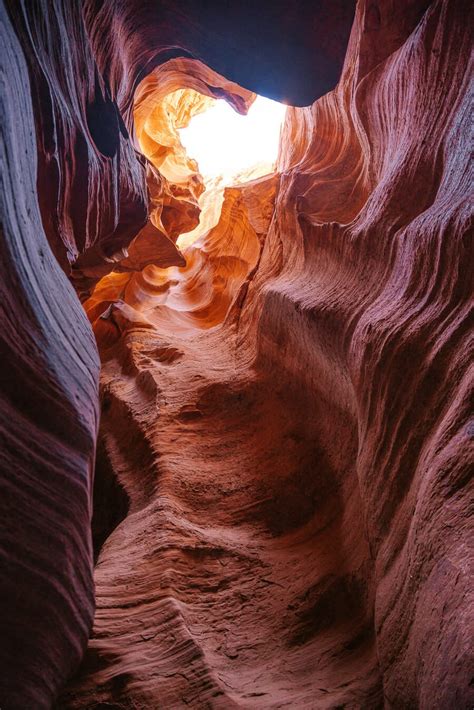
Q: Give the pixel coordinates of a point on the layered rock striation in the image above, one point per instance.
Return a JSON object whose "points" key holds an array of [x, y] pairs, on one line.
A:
{"points": [[297, 523], [75, 193], [283, 487], [49, 414]]}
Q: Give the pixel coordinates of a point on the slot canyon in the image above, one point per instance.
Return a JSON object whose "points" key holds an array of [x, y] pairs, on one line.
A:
{"points": [[236, 416]]}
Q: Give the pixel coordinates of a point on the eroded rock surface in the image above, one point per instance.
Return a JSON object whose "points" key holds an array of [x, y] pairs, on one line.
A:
{"points": [[48, 426], [297, 533], [286, 436], [74, 196]]}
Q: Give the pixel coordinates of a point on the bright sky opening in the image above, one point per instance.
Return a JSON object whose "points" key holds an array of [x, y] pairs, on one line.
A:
{"points": [[224, 143]]}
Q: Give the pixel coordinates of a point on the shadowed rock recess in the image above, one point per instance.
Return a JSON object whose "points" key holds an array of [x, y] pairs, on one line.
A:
{"points": [[275, 510]]}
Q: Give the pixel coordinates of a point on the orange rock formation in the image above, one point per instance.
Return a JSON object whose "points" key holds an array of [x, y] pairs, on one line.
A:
{"points": [[281, 512]]}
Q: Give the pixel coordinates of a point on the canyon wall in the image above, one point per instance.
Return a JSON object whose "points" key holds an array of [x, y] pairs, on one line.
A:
{"points": [[284, 457], [298, 396], [48, 426], [75, 194]]}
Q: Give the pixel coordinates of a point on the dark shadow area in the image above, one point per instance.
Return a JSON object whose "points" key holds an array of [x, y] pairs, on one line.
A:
{"points": [[111, 503]]}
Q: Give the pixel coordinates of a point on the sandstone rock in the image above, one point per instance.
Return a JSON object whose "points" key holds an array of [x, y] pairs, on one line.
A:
{"points": [[303, 541], [284, 473], [48, 426]]}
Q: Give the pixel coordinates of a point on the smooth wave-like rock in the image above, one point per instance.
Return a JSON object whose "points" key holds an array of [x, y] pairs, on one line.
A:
{"points": [[77, 193], [298, 529], [284, 469], [48, 426]]}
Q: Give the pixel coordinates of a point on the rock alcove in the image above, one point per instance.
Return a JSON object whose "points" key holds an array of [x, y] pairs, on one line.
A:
{"points": [[283, 459]]}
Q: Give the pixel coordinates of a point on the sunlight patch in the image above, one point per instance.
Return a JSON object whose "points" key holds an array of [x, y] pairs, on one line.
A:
{"points": [[232, 147]]}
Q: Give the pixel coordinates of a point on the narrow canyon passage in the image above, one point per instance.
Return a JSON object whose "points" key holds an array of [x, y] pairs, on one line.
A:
{"points": [[230, 567], [236, 433], [240, 575]]}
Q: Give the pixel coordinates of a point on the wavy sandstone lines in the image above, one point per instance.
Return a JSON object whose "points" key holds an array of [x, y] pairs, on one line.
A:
{"points": [[48, 427], [287, 531], [283, 477]]}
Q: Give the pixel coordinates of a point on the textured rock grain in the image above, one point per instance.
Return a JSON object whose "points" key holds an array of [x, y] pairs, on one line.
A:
{"points": [[48, 426], [75, 186], [285, 457], [298, 532]]}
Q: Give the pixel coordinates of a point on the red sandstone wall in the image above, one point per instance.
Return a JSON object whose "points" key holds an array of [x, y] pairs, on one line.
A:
{"points": [[298, 521], [288, 414], [368, 308], [73, 171], [48, 426]]}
